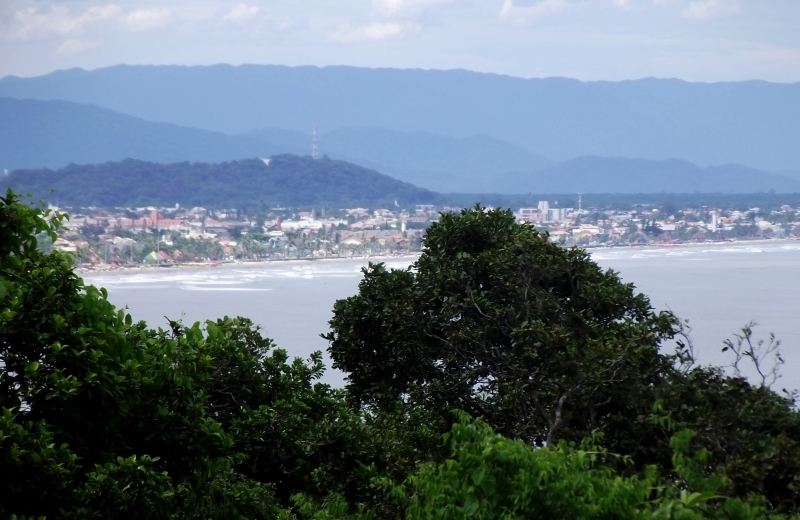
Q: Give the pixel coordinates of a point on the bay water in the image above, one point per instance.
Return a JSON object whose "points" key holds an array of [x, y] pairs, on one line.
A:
{"points": [[718, 288]]}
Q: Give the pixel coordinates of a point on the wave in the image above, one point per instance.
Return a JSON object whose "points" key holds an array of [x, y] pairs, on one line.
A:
{"points": [[222, 289], [113, 286], [734, 250], [213, 282]]}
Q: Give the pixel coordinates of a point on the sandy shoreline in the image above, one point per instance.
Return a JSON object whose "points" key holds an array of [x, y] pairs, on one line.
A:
{"points": [[139, 269], [410, 256], [757, 241]]}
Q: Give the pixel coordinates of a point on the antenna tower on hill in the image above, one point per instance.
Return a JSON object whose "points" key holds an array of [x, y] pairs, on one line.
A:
{"points": [[314, 145]]}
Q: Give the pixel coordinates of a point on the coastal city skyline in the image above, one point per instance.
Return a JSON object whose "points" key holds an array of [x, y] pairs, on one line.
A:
{"points": [[133, 237]]}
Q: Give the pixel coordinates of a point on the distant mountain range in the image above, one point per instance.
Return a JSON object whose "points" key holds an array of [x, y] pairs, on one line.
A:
{"points": [[622, 175], [752, 123], [255, 184], [53, 134], [447, 164]]}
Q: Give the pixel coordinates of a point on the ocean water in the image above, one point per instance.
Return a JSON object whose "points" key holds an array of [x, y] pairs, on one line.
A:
{"points": [[718, 288]]}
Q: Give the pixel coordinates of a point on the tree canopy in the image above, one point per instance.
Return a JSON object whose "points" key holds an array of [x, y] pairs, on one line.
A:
{"points": [[543, 374], [539, 342], [496, 320], [287, 180], [103, 417]]}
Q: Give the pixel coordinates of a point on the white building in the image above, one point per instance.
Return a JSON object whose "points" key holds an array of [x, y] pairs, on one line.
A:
{"points": [[529, 215]]}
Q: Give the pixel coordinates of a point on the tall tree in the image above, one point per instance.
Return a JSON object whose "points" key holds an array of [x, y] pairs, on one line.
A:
{"points": [[543, 345], [496, 320], [101, 417]]}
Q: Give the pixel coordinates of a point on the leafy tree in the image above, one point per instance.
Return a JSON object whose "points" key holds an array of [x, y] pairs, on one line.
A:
{"points": [[92, 230], [543, 345], [488, 476], [65, 376], [652, 229], [101, 417], [498, 321], [751, 433]]}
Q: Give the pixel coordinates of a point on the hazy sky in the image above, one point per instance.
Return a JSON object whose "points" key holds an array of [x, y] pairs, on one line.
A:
{"points": [[700, 40]]}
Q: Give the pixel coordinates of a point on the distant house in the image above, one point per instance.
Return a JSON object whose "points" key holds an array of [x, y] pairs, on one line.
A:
{"points": [[156, 257], [582, 233], [529, 215], [587, 230], [155, 220], [64, 245]]}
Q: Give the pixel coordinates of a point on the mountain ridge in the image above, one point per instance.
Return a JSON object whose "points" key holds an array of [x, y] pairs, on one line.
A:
{"points": [[753, 123], [55, 133], [625, 175]]}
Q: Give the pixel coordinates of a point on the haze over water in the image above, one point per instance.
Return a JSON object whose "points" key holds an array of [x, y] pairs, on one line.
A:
{"points": [[719, 288]]}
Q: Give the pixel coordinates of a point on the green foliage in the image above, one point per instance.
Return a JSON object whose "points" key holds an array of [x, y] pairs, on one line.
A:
{"points": [[105, 418], [101, 417], [543, 345], [498, 321], [488, 476], [752, 434], [288, 180]]}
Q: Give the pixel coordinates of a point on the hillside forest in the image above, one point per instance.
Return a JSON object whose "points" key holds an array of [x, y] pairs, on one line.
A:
{"points": [[501, 376], [249, 184]]}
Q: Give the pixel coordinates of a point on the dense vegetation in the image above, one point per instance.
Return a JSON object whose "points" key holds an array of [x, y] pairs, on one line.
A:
{"points": [[288, 180], [250, 185], [542, 374]]}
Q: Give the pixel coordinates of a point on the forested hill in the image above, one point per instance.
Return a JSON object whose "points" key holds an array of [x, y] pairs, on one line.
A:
{"points": [[287, 180], [53, 134]]}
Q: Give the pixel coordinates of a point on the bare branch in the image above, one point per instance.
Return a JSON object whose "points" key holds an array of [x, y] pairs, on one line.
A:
{"points": [[558, 420], [764, 357], [684, 352]]}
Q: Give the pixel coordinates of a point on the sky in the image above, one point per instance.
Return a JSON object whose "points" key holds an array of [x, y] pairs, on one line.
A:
{"points": [[695, 40]]}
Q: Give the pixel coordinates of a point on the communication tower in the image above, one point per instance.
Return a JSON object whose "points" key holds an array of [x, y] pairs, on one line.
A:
{"points": [[579, 204], [314, 145]]}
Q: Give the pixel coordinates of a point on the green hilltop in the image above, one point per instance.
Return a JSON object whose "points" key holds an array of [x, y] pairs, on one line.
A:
{"points": [[287, 180]]}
